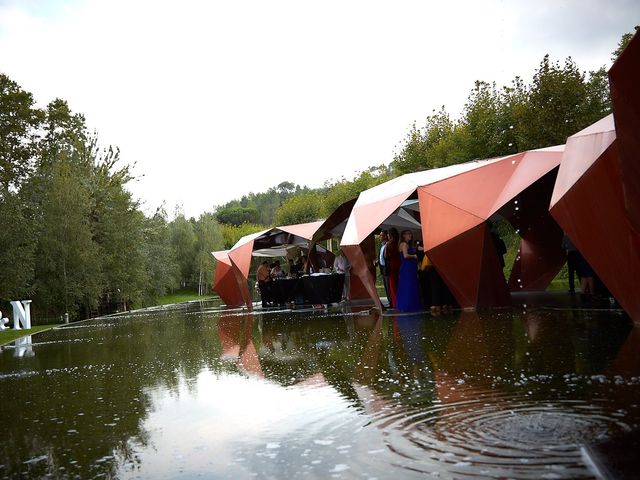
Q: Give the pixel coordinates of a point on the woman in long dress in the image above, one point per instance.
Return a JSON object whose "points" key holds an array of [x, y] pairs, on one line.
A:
{"points": [[392, 261], [408, 295]]}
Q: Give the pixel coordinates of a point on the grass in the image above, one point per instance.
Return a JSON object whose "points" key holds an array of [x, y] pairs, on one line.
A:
{"points": [[182, 295], [560, 285], [7, 336]]}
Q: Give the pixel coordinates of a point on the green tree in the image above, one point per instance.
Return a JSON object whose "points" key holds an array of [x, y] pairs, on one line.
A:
{"points": [[556, 104], [68, 266], [18, 240], [622, 44], [299, 209], [19, 122], [237, 215], [183, 239], [232, 233], [208, 239], [64, 131], [344, 190], [163, 271], [118, 227]]}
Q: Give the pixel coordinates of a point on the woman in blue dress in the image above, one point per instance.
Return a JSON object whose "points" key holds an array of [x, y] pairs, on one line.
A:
{"points": [[408, 295]]}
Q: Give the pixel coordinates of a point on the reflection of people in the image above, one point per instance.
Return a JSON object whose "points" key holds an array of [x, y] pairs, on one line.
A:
{"points": [[586, 274], [384, 272], [264, 279], [341, 264], [392, 261], [572, 261], [408, 294]]}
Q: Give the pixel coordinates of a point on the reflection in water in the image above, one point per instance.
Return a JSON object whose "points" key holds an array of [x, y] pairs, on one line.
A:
{"points": [[199, 391]]}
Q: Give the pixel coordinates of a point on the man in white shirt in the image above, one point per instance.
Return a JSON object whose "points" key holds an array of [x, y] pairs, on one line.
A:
{"points": [[341, 265]]}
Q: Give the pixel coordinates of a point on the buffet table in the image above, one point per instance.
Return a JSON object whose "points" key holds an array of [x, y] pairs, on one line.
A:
{"points": [[308, 289]]}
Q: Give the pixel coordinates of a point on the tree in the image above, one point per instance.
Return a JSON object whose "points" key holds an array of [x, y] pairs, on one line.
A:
{"points": [[344, 190], [18, 240], [163, 272], [68, 266], [299, 209], [237, 215], [19, 122], [622, 44], [118, 227], [208, 239], [232, 233], [183, 240]]}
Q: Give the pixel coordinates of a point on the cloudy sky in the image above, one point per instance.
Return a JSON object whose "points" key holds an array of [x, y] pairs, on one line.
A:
{"points": [[215, 99]]}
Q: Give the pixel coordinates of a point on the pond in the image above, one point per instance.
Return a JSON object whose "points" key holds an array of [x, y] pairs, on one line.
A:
{"points": [[196, 391]]}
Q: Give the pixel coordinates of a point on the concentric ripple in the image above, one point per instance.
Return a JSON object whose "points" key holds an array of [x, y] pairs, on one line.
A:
{"points": [[498, 435]]}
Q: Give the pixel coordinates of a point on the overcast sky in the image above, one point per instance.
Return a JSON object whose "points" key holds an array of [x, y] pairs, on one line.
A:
{"points": [[215, 99]]}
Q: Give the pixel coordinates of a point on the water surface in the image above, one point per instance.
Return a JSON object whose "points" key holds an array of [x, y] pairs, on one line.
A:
{"points": [[195, 391]]}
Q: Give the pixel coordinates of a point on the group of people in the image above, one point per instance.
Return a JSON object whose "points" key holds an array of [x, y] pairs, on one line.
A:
{"points": [[267, 273], [410, 281]]}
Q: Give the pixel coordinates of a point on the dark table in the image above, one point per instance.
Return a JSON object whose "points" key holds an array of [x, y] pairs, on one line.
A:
{"points": [[309, 289]]}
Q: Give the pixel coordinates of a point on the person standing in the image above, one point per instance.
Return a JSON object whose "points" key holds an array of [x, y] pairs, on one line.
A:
{"points": [[382, 264], [408, 294], [572, 261], [264, 283], [341, 265], [392, 261]]}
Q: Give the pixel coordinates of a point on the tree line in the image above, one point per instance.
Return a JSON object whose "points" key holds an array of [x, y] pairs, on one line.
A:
{"points": [[72, 237]]}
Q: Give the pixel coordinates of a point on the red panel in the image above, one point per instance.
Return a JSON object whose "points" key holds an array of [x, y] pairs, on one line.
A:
{"points": [[224, 283], [592, 213], [624, 78], [470, 267], [442, 221], [627, 361], [361, 267], [492, 287]]}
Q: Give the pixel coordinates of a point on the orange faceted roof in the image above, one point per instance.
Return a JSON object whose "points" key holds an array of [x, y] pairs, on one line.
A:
{"points": [[466, 200]]}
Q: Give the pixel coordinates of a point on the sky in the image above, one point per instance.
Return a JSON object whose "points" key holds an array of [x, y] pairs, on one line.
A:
{"points": [[214, 99]]}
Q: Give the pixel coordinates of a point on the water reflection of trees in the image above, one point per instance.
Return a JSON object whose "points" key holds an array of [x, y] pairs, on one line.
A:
{"points": [[80, 404]]}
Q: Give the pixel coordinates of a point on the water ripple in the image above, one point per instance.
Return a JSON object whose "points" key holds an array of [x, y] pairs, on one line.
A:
{"points": [[495, 435]]}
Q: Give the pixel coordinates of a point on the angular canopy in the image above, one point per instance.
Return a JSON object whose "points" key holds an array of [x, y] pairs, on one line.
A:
{"points": [[589, 204], [454, 203], [241, 253], [597, 195]]}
